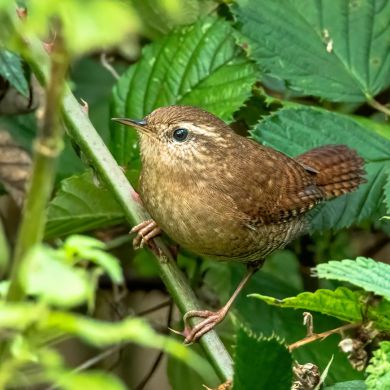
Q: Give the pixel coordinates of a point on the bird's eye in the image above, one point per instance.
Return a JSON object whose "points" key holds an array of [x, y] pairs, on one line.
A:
{"points": [[180, 135]]}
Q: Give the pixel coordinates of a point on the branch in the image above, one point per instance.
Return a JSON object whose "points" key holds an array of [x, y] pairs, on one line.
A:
{"points": [[84, 134]]}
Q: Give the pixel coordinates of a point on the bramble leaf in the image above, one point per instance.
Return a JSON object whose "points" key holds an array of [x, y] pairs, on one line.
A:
{"points": [[366, 273], [198, 65], [81, 205], [269, 354], [333, 49]]}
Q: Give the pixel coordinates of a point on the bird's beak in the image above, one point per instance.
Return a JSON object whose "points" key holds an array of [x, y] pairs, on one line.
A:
{"points": [[137, 124]]}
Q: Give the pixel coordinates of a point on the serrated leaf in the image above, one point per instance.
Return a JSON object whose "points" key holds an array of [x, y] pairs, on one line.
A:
{"points": [[349, 385], [379, 368], [198, 65], [341, 303], [363, 272], [297, 130], [265, 319], [261, 363], [81, 205], [332, 49], [11, 69]]}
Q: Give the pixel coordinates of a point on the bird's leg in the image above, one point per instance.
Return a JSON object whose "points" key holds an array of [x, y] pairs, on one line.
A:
{"points": [[146, 230], [211, 318]]}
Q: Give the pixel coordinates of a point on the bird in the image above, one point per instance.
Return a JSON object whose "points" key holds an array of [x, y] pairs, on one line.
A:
{"points": [[223, 195]]}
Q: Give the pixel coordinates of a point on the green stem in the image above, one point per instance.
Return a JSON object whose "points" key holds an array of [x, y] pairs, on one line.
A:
{"points": [[47, 147], [86, 137]]}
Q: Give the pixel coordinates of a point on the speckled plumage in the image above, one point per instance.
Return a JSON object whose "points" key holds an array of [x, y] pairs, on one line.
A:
{"points": [[223, 195]]}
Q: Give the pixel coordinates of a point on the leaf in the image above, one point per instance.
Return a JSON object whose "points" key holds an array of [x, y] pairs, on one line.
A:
{"points": [[363, 272], [341, 303], [91, 249], [332, 49], [261, 363], [91, 381], [349, 385], [324, 374], [21, 316], [296, 130], [86, 25], [160, 17], [265, 319], [198, 65], [11, 69], [40, 277], [379, 368], [81, 205]]}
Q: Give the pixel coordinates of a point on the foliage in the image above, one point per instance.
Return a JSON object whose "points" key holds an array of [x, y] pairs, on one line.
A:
{"points": [[292, 75]]}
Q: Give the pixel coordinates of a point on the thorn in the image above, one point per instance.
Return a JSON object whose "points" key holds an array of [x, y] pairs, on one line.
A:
{"points": [[84, 107]]}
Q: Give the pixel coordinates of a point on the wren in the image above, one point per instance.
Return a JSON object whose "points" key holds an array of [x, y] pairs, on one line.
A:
{"points": [[225, 196]]}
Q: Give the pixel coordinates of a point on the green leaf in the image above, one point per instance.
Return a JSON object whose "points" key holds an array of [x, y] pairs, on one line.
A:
{"points": [[349, 385], [341, 303], [363, 272], [198, 65], [86, 25], [332, 49], [91, 381], [22, 316], [11, 69], [46, 275], [267, 320], [379, 368], [81, 205], [261, 363], [91, 249], [159, 17], [296, 130]]}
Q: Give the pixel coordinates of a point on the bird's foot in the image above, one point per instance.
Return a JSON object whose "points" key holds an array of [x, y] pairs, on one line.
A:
{"points": [[211, 319], [146, 231]]}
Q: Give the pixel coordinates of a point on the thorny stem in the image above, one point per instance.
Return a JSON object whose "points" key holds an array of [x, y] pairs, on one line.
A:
{"points": [[47, 148], [323, 335]]}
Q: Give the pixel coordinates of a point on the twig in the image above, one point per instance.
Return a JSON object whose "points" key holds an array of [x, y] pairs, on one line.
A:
{"points": [[108, 66], [154, 308], [159, 357], [379, 106], [323, 335], [91, 362]]}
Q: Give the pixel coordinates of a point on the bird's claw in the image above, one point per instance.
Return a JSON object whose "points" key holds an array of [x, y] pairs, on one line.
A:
{"points": [[211, 319], [146, 231]]}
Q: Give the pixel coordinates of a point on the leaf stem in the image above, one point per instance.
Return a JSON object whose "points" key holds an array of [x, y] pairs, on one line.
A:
{"points": [[380, 107], [323, 335]]}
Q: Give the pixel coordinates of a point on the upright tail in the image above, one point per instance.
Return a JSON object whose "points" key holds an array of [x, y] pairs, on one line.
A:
{"points": [[337, 169]]}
